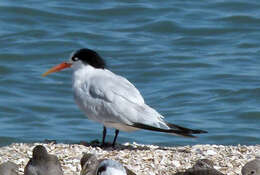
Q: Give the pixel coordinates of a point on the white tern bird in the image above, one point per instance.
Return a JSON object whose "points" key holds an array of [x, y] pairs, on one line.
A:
{"points": [[111, 99]]}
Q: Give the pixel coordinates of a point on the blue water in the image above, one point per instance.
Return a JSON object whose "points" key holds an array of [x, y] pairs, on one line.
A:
{"points": [[196, 62]]}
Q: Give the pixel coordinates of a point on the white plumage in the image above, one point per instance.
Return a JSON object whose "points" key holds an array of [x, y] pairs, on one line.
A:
{"points": [[111, 99]]}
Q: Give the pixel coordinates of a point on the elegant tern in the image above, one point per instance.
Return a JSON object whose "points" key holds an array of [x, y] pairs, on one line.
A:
{"points": [[111, 99]]}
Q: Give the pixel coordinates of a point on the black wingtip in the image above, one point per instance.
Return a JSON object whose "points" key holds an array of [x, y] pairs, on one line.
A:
{"points": [[198, 131], [187, 130], [175, 130]]}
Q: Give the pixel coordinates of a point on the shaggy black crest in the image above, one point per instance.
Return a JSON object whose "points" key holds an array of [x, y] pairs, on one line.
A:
{"points": [[90, 57]]}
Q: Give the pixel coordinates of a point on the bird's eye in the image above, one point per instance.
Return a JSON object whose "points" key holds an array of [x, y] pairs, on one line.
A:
{"points": [[75, 58], [252, 172]]}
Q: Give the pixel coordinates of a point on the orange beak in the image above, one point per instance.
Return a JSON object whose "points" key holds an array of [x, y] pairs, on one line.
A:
{"points": [[57, 68]]}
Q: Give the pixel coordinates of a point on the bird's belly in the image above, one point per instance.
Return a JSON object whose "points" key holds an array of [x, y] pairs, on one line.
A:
{"points": [[95, 109], [120, 126], [90, 110], [96, 113]]}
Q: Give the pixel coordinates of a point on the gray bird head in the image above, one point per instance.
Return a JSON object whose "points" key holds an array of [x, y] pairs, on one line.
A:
{"points": [[110, 167], [39, 152], [88, 163], [252, 167], [204, 163], [87, 159]]}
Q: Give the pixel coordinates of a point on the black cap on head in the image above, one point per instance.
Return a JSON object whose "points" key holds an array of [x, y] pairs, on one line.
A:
{"points": [[39, 152], [90, 57]]}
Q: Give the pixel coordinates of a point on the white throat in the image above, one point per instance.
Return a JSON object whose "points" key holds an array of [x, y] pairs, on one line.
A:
{"points": [[81, 71]]}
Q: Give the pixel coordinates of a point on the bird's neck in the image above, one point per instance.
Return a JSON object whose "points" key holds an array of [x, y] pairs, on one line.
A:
{"points": [[82, 73]]}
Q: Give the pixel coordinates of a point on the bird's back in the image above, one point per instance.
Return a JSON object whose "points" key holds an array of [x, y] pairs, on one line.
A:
{"points": [[8, 168], [49, 166]]}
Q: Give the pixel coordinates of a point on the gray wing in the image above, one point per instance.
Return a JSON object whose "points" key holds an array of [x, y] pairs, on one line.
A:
{"points": [[54, 166], [108, 87], [121, 102]]}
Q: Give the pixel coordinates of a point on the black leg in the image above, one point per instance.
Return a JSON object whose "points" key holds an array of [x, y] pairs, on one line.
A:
{"points": [[116, 134], [104, 135]]}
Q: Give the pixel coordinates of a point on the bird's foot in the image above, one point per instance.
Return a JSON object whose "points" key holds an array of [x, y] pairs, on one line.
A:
{"points": [[93, 143], [96, 143], [107, 145]]}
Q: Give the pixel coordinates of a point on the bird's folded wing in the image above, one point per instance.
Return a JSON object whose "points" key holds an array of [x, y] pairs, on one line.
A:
{"points": [[109, 87], [123, 102]]}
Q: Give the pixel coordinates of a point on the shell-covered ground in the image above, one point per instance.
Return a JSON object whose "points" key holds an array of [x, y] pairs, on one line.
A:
{"points": [[142, 159]]}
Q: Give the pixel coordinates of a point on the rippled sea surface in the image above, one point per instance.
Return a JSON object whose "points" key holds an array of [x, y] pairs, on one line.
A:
{"points": [[196, 62]]}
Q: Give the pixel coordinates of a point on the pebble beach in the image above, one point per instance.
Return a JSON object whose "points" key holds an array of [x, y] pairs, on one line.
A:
{"points": [[142, 159]]}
